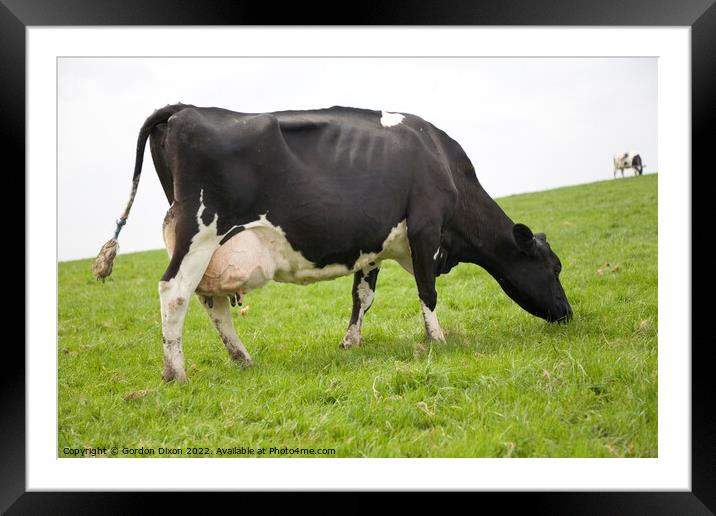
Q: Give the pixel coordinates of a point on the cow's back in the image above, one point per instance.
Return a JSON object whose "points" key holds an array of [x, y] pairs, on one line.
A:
{"points": [[336, 181]]}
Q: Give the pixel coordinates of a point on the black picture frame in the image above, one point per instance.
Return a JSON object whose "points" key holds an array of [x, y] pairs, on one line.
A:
{"points": [[700, 15]]}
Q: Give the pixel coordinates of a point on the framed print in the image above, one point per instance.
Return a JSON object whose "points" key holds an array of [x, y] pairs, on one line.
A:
{"points": [[552, 149]]}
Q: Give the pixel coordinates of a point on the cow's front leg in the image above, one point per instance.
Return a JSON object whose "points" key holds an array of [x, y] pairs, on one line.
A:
{"points": [[424, 247], [364, 282], [220, 314]]}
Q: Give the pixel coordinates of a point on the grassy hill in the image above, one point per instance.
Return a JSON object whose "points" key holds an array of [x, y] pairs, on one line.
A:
{"points": [[506, 384]]}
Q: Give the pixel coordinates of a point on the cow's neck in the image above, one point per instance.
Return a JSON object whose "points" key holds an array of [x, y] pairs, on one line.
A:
{"points": [[480, 231]]}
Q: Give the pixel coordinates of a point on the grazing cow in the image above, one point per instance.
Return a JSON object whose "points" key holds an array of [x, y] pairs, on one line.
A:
{"points": [[628, 160], [304, 196]]}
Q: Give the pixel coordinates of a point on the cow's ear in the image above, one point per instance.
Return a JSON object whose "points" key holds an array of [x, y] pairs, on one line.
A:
{"points": [[524, 238]]}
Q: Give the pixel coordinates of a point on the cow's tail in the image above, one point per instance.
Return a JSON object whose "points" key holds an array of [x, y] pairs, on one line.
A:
{"points": [[102, 266]]}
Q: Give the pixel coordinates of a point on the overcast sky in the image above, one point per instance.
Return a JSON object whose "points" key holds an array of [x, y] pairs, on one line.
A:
{"points": [[527, 124]]}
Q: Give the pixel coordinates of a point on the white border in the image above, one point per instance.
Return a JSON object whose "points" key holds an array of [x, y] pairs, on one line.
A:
{"points": [[671, 470]]}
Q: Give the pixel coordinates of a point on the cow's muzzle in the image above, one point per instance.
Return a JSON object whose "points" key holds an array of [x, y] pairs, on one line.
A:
{"points": [[563, 315]]}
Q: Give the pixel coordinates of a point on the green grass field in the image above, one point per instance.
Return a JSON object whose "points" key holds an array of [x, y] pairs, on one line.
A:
{"points": [[506, 384]]}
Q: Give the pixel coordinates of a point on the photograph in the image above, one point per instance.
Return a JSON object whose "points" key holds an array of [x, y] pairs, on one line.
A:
{"points": [[357, 257], [449, 252]]}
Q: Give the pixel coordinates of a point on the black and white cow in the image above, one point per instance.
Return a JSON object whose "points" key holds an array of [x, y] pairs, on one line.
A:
{"points": [[630, 160], [304, 196]]}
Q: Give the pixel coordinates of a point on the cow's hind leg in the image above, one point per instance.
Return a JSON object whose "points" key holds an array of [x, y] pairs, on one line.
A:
{"points": [[192, 252], [363, 294], [218, 310]]}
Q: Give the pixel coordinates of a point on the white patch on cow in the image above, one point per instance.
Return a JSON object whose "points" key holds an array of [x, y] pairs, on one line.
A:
{"points": [[174, 294], [432, 326], [390, 119], [407, 265], [365, 296], [396, 245], [437, 252]]}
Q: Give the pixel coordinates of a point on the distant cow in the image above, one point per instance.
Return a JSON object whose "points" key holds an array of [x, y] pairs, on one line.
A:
{"points": [[628, 160], [304, 196]]}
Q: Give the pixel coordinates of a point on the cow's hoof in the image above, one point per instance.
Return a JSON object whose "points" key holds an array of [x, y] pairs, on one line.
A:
{"points": [[351, 338], [169, 375], [348, 343], [437, 336], [242, 360]]}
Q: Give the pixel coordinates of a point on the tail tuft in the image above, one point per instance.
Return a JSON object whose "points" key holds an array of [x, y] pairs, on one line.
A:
{"points": [[102, 266]]}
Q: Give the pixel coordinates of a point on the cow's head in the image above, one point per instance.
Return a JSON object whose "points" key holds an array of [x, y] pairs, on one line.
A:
{"points": [[531, 277]]}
